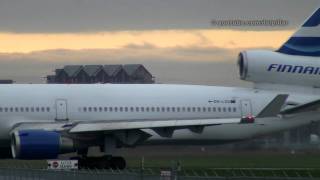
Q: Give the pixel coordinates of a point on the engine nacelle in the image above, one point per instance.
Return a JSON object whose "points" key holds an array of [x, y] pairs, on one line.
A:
{"points": [[272, 67], [39, 144]]}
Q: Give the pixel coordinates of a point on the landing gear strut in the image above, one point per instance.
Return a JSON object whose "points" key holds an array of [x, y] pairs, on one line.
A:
{"points": [[104, 162]]}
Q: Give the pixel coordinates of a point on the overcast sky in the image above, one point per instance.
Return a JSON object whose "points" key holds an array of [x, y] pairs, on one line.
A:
{"points": [[102, 15], [173, 38]]}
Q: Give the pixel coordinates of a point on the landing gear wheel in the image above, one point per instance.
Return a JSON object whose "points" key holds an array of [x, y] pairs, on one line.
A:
{"points": [[104, 162], [118, 163]]}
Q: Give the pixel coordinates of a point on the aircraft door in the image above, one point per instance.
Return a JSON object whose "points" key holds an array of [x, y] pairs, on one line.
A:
{"points": [[61, 109], [246, 109]]}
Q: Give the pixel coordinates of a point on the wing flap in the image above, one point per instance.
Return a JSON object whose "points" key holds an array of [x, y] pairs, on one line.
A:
{"points": [[154, 124]]}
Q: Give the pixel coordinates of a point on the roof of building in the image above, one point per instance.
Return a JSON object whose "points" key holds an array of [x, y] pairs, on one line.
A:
{"points": [[92, 70], [130, 69], [112, 70], [6, 81], [72, 70]]}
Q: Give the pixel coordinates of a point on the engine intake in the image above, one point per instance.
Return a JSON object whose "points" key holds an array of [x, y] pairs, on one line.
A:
{"points": [[39, 144], [261, 66], [243, 66]]}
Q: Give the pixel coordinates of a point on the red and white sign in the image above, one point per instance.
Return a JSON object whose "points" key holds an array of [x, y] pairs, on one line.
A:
{"points": [[62, 164]]}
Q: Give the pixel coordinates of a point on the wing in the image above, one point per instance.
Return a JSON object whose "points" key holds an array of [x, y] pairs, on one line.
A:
{"points": [[128, 132], [148, 124]]}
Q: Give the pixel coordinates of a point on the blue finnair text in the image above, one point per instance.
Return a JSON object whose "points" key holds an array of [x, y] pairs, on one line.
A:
{"points": [[294, 69]]}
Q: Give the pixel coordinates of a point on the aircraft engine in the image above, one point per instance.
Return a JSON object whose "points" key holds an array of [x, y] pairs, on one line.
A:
{"points": [[261, 66], [39, 144]]}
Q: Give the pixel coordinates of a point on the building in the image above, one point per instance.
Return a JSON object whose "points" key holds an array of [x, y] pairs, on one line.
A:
{"points": [[88, 74], [6, 81]]}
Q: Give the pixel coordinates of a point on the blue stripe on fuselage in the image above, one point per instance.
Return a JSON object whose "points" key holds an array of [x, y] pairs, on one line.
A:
{"points": [[304, 41], [303, 46], [290, 51]]}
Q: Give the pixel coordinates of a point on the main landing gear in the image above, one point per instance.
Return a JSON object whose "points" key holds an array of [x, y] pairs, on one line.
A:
{"points": [[104, 162]]}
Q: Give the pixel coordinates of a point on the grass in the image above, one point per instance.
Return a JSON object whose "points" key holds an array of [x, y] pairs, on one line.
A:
{"points": [[232, 161], [227, 165], [231, 164]]}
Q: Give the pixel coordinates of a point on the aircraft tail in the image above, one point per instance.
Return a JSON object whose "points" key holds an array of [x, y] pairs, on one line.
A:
{"points": [[305, 41]]}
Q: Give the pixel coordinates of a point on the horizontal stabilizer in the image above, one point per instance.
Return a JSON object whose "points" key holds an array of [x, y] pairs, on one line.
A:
{"points": [[274, 107], [307, 107]]}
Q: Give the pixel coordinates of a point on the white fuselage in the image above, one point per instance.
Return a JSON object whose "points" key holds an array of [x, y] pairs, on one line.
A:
{"points": [[20, 103]]}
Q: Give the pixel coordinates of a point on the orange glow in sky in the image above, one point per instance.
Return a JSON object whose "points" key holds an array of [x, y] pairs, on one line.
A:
{"points": [[25, 43]]}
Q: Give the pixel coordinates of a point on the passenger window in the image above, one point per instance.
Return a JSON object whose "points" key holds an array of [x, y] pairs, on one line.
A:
{"points": [[137, 109], [234, 109], [90, 109], [194, 109], [168, 109], [42, 109], [110, 109], [115, 109], [48, 109], [229, 109], [32, 109], [95, 109], [121, 109], [105, 109], [188, 109], [100, 109], [214, 109], [6, 109], [126, 109], [11, 109], [183, 109], [27, 109], [163, 109], [219, 109], [131, 109], [84, 109], [199, 109], [158, 109], [152, 109], [173, 109], [178, 109], [147, 109], [0, 109], [142, 109], [209, 109], [224, 109], [21, 109], [16, 109], [204, 109]]}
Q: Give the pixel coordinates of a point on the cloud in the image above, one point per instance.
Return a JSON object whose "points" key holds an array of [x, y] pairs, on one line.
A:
{"points": [[174, 56], [26, 42], [43, 16], [209, 66]]}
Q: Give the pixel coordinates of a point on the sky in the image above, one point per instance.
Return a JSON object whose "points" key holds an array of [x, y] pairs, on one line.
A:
{"points": [[174, 39]]}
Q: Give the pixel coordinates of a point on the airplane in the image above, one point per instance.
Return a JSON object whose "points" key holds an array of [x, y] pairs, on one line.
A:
{"points": [[43, 121]]}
